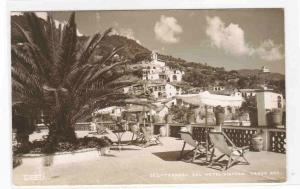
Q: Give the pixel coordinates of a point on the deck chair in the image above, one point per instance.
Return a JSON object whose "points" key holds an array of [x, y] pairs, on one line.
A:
{"points": [[234, 154], [136, 133], [150, 138], [101, 129], [198, 147]]}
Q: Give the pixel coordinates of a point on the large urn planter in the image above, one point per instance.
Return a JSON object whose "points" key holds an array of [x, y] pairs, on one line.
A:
{"points": [[219, 118], [210, 118], [104, 145], [245, 116], [275, 117], [140, 118], [163, 131], [104, 151], [156, 119], [191, 118], [257, 143], [169, 118], [219, 115]]}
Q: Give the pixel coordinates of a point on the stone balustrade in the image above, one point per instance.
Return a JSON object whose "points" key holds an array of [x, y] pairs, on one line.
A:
{"points": [[274, 139]]}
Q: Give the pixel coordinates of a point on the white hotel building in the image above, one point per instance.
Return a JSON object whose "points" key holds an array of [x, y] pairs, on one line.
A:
{"points": [[157, 70]]}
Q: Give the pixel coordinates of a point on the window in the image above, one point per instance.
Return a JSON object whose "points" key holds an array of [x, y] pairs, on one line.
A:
{"points": [[279, 103], [174, 77]]}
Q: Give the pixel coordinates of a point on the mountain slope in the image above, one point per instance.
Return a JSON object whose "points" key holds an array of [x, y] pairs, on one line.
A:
{"points": [[196, 74], [257, 72]]}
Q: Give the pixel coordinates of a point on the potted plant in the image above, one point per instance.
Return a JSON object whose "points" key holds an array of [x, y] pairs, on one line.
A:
{"points": [[219, 114], [163, 131], [104, 145], [249, 106], [169, 118], [275, 117], [257, 142], [156, 119], [190, 116]]}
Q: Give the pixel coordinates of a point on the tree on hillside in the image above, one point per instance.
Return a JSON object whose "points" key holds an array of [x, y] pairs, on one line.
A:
{"points": [[53, 72]]}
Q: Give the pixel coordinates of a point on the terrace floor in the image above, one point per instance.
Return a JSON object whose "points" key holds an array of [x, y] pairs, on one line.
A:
{"points": [[136, 165]]}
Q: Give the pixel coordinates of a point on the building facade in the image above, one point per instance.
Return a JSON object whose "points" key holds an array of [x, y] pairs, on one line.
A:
{"points": [[157, 90], [157, 70], [266, 102]]}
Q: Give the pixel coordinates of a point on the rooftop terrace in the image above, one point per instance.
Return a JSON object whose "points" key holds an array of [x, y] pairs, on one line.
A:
{"points": [[137, 165]]}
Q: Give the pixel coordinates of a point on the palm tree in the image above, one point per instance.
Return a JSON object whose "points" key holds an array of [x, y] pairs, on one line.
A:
{"points": [[54, 71]]}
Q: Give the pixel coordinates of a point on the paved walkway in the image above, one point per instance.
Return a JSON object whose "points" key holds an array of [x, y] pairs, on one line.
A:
{"points": [[136, 165]]}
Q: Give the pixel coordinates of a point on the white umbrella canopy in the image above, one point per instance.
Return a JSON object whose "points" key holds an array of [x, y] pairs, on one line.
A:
{"points": [[206, 98]]}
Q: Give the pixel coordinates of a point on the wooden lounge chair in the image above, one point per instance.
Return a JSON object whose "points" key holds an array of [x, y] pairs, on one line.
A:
{"points": [[136, 133], [198, 147], [149, 138], [234, 154], [101, 129]]}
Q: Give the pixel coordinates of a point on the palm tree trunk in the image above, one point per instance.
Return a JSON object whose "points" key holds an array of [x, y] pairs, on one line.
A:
{"points": [[61, 130]]}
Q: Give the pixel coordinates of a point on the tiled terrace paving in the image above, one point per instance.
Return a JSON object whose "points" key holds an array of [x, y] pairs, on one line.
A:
{"points": [[152, 165]]}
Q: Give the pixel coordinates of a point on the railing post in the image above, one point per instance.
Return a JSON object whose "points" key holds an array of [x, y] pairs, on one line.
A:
{"points": [[167, 129], [266, 139]]}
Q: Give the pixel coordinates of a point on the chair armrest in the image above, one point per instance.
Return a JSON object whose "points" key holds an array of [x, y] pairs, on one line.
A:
{"points": [[242, 148]]}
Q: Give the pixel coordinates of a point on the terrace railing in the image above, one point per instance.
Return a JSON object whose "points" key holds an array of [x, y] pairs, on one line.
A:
{"points": [[86, 126], [274, 139]]}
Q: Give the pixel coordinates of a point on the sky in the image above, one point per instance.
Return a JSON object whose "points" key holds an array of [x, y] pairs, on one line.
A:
{"points": [[229, 38]]}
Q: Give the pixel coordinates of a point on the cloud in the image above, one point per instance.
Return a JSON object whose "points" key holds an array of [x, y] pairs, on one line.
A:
{"points": [[126, 32], [269, 51], [167, 29], [231, 39]]}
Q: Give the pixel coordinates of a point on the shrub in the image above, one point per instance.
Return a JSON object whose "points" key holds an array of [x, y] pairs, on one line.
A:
{"points": [[16, 161], [219, 109], [276, 110], [65, 146], [105, 142]]}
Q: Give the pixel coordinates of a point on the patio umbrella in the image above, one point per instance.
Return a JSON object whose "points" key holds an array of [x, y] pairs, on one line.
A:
{"points": [[208, 99]]}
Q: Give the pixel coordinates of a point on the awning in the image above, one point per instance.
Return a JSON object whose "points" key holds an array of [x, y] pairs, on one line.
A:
{"points": [[206, 98]]}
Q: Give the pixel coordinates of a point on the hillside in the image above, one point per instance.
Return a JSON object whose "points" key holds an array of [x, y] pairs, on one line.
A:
{"points": [[196, 74], [257, 72]]}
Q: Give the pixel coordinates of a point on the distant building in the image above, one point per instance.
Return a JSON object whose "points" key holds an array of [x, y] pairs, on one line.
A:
{"points": [[157, 70], [216, 88], [114, 111], [164, 90], [157, 90], [264, 69], [247, 93]]}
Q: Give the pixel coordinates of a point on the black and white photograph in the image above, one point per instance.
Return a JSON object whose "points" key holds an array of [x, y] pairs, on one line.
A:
{"points": [[148, 97]]}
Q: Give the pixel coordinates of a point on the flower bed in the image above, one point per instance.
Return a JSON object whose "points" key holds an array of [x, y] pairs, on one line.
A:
{"points": [[42, 146]]}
